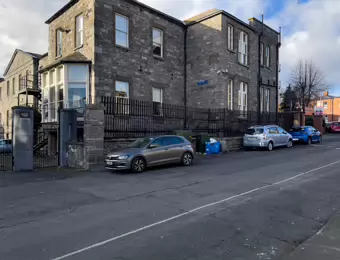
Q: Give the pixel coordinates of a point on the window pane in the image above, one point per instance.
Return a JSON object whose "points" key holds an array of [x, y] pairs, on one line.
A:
{"points": [[157, 95], [77, 96], [157, 49], [121, 39], [80, 22], [77, 73], [122, 89], [122, 23], [157, 36]]}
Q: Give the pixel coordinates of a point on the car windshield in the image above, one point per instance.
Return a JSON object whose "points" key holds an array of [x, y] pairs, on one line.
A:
{"points": [[254, 131], [140, 143], [298, 129]]}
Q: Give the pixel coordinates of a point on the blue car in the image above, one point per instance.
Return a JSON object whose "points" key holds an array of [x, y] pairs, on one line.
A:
{"points": [[306, 134]]}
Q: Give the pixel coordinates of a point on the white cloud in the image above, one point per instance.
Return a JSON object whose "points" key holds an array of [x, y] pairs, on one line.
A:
{"points": [[311, 31]]}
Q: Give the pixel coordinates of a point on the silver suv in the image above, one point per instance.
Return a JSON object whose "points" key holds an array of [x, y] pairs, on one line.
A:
{"points": [[267, 136]]}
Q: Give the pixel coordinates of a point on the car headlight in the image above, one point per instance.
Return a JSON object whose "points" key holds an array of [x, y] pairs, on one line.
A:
{"points": [[123, 157]]}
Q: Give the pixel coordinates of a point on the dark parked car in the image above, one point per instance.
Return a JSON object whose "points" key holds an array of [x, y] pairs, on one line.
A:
{"points": [[151, 151]]}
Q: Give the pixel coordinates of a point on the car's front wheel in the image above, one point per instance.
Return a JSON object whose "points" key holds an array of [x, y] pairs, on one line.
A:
{"points": [[187, 159], [138, 165], [290, 143]]}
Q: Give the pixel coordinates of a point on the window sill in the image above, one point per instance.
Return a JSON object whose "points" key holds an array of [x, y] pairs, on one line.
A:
{"points": [[243, 65], [158, 57], [58, 57], [79, 47], [230, 50], [122, 47]]}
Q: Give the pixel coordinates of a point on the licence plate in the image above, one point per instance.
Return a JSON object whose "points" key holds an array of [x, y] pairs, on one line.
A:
{"points": [[109, 163]]}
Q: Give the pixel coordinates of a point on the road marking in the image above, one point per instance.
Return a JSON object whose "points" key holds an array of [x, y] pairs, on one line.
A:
{"points": [[104, 242]]}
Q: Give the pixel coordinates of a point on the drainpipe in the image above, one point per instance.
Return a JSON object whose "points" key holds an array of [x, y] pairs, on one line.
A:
{"points": [[277, 76], [259, 77], [185, 76]]}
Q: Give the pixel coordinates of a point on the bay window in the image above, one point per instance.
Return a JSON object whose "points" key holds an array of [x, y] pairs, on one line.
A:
{"points": [[64, 87]]}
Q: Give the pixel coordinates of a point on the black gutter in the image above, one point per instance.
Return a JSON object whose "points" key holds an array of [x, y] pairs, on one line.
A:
{"points": [[185, 76], [259, 77], [61, 11], [277, 76]]}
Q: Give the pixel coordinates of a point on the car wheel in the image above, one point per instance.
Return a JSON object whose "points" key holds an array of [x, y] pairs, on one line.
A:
{"points": [[138, 165], [270, 146], [187, 159], [290, 143], [309, 140]]}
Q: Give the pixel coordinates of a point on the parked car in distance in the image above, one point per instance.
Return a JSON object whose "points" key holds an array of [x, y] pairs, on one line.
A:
{"points": [[334, 127], [305, 134], [267, 136], [151, 151], [5, 146]]}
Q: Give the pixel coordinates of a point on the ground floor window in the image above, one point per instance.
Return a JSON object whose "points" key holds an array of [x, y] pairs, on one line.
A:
{"points": [[242, 98], [122, 97], [157, 101]]}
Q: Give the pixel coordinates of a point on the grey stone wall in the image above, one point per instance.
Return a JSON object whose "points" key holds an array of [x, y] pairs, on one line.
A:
{"points": [[230, 144], [137, 65], [76, 155], [112, 145], [94, 135]]}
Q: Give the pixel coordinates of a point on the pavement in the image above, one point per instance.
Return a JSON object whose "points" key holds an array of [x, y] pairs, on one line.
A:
{"points": [[242, 205]]}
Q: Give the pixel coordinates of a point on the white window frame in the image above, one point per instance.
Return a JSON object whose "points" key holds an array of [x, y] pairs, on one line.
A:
{"points": [[161, 44], [79, 31], [261, 52], [230, 93], [117, 30], [59, 43], [261, 98], [267, 96], [268, 56], [243, 48], [158, 102], [122, 103], [325, 105], [243, 99], [230, 37], [13, 86], [8, 88]]}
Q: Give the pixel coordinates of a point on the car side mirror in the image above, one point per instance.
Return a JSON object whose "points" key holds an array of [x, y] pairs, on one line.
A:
{"points": [[152, 146]]}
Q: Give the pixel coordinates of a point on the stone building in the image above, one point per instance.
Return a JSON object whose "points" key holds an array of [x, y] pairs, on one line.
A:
{"points": [[129, 50], [19, 87]]}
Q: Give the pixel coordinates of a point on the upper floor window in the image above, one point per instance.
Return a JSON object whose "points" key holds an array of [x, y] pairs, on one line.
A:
{"points": [[122, 31], [243, 48], [0, 94], [267, 56], [230, 37], [59, 43], [8, 89], [325, 105], [13, 86], [79, 31], [261, 52], [157, 42]]}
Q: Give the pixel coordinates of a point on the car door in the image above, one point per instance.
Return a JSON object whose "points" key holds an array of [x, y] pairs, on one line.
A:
{"points": [[155, 153], [175, 148], [283, 136], [274, 135], [313, 133]]}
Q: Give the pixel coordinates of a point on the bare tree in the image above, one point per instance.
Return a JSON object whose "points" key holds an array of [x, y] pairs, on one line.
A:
{"points": [[308, 82]]}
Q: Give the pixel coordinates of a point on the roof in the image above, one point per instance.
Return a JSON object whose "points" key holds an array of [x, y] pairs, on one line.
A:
{"points": [[213, 12], [62, 10], [253, 18], [153, 10], [33, 55], [75, 57]]}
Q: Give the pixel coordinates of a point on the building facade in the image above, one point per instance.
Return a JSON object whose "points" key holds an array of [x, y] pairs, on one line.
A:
{"points": [[129, 50], [20, 80]]}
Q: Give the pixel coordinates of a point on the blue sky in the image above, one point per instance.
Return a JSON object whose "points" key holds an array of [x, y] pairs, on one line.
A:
{"points": [[310, 27]]}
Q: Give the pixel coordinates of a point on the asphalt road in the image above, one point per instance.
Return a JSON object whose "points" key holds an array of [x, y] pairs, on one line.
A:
{"points": [[243, 205]]}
